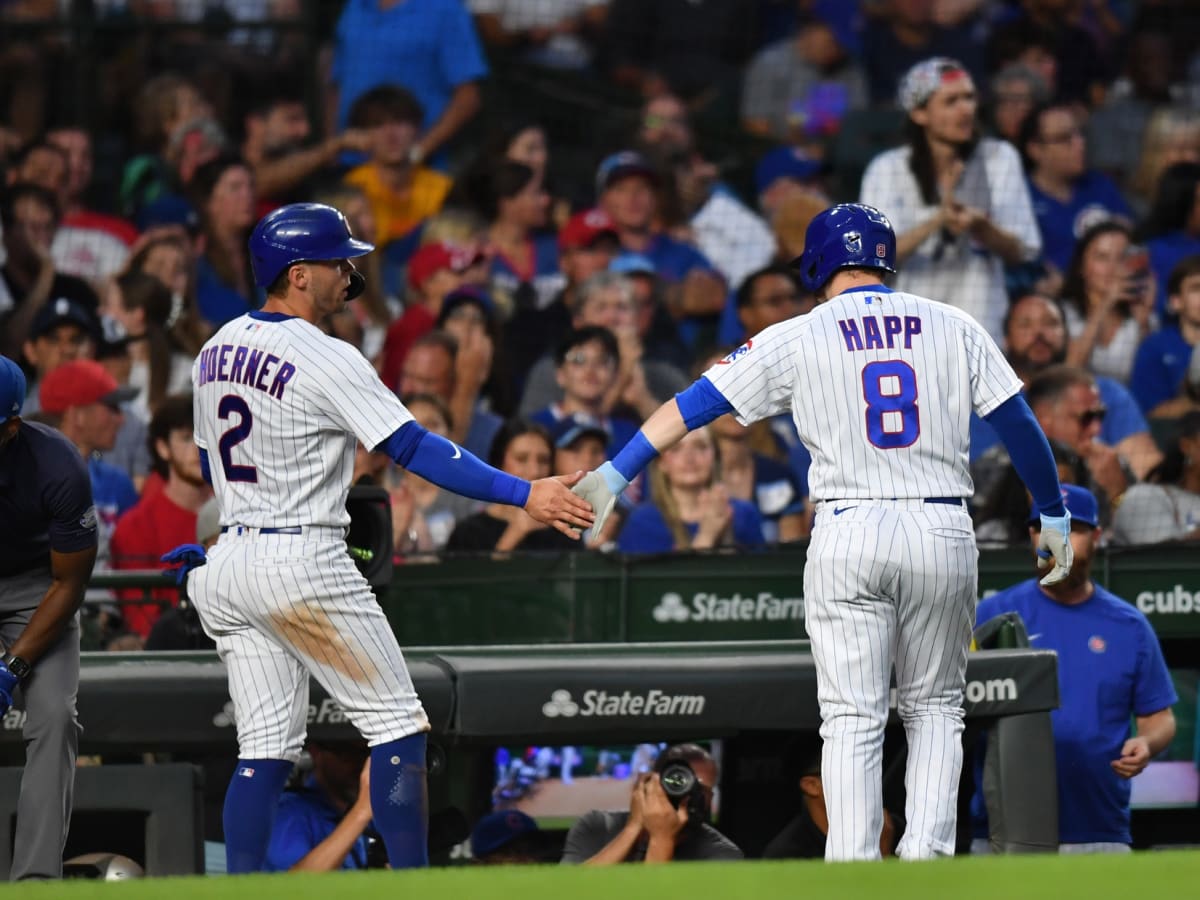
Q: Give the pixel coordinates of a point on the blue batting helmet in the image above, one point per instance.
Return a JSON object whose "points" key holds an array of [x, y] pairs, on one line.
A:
{"points": [[299, 232], [844, 236]]}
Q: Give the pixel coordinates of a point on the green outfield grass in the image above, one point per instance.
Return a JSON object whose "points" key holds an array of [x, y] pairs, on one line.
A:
{"points": [[1162, 875]]}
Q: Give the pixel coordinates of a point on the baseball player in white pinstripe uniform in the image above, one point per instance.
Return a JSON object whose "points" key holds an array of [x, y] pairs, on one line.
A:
{"points": [[279, 405], [881, 386]]}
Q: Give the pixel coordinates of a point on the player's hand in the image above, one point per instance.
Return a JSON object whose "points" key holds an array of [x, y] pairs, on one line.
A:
{"points": [[363, 802], [601, 489], [1135, 754], [8, 684], [186, 557], [551, 503], [1055, 542]]}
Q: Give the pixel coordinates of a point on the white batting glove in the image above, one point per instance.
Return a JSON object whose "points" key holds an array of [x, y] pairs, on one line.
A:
{"points": [[1055, 542], [601, 488]]}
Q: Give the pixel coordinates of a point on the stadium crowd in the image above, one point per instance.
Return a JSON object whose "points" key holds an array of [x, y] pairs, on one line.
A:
{"points": [[537, 291], [1039, 159]]}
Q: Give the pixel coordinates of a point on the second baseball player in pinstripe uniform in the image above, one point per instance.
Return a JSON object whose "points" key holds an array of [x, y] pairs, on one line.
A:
{"points": [[279, 405], [880, 385]]}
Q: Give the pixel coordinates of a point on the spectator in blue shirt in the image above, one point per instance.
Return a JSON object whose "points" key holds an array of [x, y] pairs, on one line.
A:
{"points": [[1172, 227], [1162, 360], [1110, 668], [427, 46], [690, 509], [586, 363], [222, 192], [695, 292], [321, 825], [1067, 197]]}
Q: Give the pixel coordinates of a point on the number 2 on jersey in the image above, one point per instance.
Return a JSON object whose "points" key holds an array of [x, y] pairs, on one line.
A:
{"points": [[231, 403], [890, 389]]}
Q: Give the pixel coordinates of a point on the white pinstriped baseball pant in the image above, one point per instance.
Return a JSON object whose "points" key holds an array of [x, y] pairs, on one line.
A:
{"points": [[281, 606], [890, 583]]}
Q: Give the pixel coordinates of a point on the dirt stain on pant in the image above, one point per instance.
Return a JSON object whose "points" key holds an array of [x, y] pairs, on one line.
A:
{"points": [[309, 629]]}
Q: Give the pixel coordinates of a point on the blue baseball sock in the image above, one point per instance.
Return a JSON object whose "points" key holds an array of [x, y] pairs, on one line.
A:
{"points": [[250, 805], [400, 802]]}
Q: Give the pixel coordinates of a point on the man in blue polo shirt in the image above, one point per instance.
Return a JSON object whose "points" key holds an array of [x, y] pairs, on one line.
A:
{"points": [[47, 549], [1110, 668], [1162, 360], [1067, 197], [321, 826]]}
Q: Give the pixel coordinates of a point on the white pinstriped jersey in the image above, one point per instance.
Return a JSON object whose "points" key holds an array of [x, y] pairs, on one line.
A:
{"points": [[278, 405], [881, 385]]}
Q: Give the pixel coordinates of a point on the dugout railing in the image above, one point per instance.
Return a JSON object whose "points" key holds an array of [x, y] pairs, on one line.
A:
{"points": [[593, 597]]}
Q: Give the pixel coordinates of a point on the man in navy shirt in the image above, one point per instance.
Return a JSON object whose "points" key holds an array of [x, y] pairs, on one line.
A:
{"points": [[1067, 197], [1110, 668], [320, 826], [47, 549], [1162, 360]]}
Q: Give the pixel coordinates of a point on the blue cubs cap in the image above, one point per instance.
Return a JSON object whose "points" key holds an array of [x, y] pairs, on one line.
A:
{"points": [[1081, 504], [633, 264], [569, 429], [622, 165], [496, 830], [12, 389], [785, 162]]}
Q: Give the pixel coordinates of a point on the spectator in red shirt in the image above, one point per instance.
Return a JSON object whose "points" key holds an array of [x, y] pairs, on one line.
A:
{"points": [[435, 271], [166, 518]]}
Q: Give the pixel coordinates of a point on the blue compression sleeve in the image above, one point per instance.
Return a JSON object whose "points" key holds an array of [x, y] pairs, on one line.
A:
{"points": [[1030, 452], [699, 404], [205, 469], [447, 465], [702, 403]]}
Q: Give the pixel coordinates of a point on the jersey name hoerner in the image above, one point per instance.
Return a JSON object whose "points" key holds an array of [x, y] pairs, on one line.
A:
{"points": [[278, 405], [881, 386]]}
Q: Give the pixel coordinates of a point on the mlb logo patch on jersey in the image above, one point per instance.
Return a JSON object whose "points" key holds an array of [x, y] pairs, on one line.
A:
{"points": [[736, 354], [246, 772], [1097, 644]]}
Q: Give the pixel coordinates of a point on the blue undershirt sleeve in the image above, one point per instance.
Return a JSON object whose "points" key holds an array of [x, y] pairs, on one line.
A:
{"points": [[1030, 453], [447, 465], [699, 404], [205, 469], [702, 403]]}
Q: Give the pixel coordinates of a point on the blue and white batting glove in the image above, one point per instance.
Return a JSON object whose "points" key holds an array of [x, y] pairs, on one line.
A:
{"points": [[8, 684], [601, 488], [1055, 542], [186, 557]]}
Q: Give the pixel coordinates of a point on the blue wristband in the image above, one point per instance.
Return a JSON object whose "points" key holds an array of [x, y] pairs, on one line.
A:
{"points": [[634, 456]]}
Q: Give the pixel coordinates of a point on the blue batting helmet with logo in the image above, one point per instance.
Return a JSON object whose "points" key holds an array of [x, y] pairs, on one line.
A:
{"points": [[844, 236], [299, 232]]}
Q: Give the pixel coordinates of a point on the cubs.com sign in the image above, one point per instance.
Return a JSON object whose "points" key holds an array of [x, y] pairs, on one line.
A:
{"points": [[601, 704], [706, 607], [1173, 602]]}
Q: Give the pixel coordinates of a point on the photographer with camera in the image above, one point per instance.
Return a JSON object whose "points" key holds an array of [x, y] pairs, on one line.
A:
{"points": [[667, 818]]}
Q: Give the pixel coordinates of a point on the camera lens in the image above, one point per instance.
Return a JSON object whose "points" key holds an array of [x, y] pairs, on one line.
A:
{"points": [[677, 780]]}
